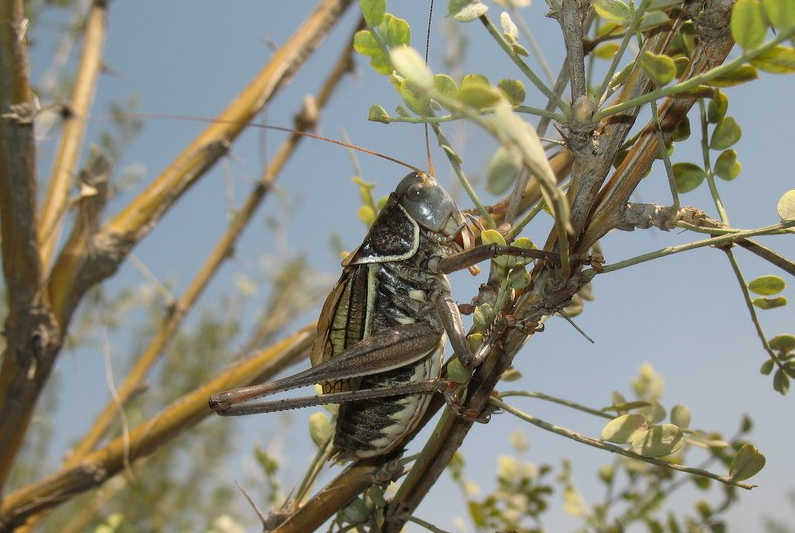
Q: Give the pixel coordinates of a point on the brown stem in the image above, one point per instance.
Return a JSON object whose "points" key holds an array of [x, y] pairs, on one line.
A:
{"points": [[220, 253], [715, 42], [76, 269], [99, 466], [31, 334], [64, 167]]}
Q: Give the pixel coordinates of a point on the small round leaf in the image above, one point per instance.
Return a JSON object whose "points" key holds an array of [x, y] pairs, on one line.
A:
{"points": [[727, 166], [786, 206], [513, 89], [320, 429], [767, 285], [410, 64], [726, 133], [770, 303], [660, 68], [736, 76], [373, 11], [747, 463], [378, 114], [687, 176], [612, 11], [479, 96], [781, 382], [659, 441], [780, 13], [502, 170], [680, 416], [778, 60], [718, 105], [783, 344], [748, 24], [622, 429], [767, 367]]}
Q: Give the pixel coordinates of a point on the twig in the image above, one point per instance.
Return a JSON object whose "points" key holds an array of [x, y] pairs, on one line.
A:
{"points": [[613, 448], [64, 167]]}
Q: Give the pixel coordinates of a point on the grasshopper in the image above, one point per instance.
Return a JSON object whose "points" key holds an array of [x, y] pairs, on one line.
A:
{"points": [[383, 328]]}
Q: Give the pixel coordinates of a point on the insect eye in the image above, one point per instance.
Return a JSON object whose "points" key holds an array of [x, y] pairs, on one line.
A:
{"points": [[416, 192]]}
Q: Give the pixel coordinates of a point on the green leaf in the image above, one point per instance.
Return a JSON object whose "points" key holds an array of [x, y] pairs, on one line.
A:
{"points": [[612, 11], [445, 85], [659, 441], [320, 429], [514, 90], [652, 19], [727, 166], [479, 96], [784, 344], [726, 133], [626, 406], [770, 303], [395, 31], [373, 11], [410, 64], [747, 463], [606, 50], [378, 114], [415, 99], [502, 170], [786, 206], [660, 68], [466, 10], [780, 13], [492, 236], [681, 131], [680, 416], [767, 367], [687, 176], [736, 76], [778, 60], [748, 24], [622, 429], [767, 285], [475, 79], [718, 105], [366, 44], [781, 382]]}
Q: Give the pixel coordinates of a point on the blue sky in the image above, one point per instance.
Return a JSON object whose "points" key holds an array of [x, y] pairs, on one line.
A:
{"points": [[684, 314]]}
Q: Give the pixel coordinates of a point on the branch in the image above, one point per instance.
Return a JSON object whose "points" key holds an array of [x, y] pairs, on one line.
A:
{"points": [[78, 268], [64, 167], [734, 236], [220, 253], [104, 463], [615, 449], [713, 46], [32, 336]]}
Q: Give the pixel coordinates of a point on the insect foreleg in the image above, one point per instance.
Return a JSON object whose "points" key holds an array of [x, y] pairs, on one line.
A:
{"points": [[387, 349], [473, 256]]}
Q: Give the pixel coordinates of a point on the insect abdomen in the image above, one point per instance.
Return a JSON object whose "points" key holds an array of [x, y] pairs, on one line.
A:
{"points": [[374, 427]]}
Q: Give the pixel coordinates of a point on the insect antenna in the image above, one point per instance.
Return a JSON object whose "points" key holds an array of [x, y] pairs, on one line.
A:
{"points": [[190, 118], [431, 170]]}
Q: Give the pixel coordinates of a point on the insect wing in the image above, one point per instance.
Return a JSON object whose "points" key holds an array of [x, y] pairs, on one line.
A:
{"points": [[345, 320]]}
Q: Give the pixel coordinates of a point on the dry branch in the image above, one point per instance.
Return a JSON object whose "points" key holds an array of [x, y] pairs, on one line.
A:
{"points": [[64, 167], [32, 336], [104, 463]]}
